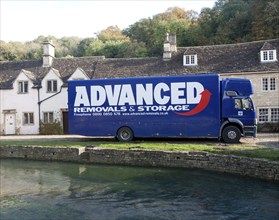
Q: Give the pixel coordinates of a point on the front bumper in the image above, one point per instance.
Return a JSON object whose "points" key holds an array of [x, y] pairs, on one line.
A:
{"points": [[250, 131]]}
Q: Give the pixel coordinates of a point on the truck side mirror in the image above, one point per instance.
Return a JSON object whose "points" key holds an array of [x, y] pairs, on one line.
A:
{"points": [[231, 93]]}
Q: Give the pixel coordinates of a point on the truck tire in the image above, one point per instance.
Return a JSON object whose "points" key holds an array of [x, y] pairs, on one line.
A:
{"points": [[125, 134], [231, 134]]}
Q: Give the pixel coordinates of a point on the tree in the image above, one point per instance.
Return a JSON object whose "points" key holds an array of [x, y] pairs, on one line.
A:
{"points": [[265, 19], [229, 21], [112, 33], [152, 31]]}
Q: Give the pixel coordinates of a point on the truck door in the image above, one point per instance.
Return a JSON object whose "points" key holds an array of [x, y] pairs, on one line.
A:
{"points": [[244, 110]]}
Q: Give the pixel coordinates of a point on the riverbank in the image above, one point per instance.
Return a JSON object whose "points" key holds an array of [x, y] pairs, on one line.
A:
{"points": [[269, 140], [258, 168]]}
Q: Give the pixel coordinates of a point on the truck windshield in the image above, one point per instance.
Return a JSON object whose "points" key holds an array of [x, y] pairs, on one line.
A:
{"points": [[243, 104]]}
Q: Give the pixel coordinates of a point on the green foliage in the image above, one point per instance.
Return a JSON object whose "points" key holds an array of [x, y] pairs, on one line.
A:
{"points": [[237, 150], [229, 21], [268, 127], [51, 128], [112, 33], [266, 19]]}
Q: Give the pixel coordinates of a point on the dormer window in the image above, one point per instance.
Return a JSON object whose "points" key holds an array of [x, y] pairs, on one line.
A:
{"points": [[52, 86], [22, 87], [190, 60], [268, 56]]}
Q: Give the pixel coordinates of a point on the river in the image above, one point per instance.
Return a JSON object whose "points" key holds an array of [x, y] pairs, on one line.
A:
{"points": [[55, 190]]}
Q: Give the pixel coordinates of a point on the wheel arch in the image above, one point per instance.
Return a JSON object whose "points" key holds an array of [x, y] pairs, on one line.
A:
{"points": [[231, 122]]}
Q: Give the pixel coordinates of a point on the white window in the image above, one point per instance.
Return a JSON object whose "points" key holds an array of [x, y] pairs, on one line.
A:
{"points": [[269, 84], [28, 118], [263, 115], [274, 114], [190, 60], [48, 117], [268, 56], [52, 86], [23, 87]]}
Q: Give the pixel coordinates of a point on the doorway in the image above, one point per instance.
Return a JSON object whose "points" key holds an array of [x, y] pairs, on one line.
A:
{"points": [[65, 122], [10, 127]]}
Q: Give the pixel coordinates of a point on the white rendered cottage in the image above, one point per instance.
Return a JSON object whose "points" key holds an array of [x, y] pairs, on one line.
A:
{"points": [[33, 93]]}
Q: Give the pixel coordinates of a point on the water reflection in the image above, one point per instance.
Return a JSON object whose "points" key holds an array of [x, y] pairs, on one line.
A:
{"points": [[50, 190]]}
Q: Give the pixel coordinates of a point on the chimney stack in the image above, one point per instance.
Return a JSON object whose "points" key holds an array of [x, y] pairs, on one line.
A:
{"points": [[169, 46], [48, 53], [172, 37]]}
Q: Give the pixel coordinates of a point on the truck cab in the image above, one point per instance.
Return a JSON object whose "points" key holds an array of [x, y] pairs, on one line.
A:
{"points": [[238, 116]]}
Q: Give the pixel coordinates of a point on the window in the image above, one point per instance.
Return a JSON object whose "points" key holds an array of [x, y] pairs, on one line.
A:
{"points": [[246, 104], [190, 60], [269, 84], [274, 114], [23, 87], [272, 84], [265, 84], [48, 117], [268, 56], [52, 86], [28, 118], [263, 114], [237, 103]]}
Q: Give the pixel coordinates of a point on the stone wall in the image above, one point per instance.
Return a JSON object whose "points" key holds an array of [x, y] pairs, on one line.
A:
{"points": [[258, 168], [70, 154]]}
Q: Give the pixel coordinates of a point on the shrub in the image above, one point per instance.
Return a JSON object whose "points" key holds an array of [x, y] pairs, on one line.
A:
{"points": [[268, 127], [51, 128]]}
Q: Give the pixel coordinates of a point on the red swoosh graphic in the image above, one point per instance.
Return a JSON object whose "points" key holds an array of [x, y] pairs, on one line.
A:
{"points": [[205, 98]]}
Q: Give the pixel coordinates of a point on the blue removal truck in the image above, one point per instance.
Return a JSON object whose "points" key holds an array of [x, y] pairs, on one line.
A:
{"points": [[190, 106]]}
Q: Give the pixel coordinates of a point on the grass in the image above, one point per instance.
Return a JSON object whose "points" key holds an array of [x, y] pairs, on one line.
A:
{"points": [[237, 150]]}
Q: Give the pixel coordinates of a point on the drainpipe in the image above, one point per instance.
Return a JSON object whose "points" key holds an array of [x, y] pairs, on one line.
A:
{"points": [[40, 102], [39, 107]]}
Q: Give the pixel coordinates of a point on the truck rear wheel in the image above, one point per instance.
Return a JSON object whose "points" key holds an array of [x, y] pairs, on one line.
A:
{"points": [[231, 134], [125, 134]]}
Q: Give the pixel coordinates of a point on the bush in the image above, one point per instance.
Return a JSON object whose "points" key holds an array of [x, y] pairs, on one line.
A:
{"points": [[268, 127], [51, 128]]}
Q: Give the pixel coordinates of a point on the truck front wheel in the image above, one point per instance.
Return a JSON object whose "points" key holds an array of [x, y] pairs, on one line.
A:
{"points": [[125, 134], [231, 134]]}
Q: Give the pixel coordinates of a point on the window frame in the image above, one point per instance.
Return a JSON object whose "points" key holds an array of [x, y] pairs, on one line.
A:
{"points": [[266, 114], [274, 117], [23, 87], [265, 84], [190, 60], [30, 118], [268, 84], [51, 86], [271, 114], [47, 118], [268, 56], [272, 84]]}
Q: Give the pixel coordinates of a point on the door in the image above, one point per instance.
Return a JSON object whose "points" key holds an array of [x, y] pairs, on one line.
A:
{"points": [[10, 124], [65, 122]]}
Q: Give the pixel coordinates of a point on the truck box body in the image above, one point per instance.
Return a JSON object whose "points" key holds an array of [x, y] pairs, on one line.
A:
{"points": [[179, 106]]}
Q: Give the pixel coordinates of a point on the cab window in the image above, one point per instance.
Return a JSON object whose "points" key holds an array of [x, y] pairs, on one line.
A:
{"points": [[246, 104], [237, 104], [243, 104]]}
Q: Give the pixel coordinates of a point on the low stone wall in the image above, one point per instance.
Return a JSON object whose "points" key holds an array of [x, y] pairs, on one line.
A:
{"points": [[258, 168], [70, 154]]}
